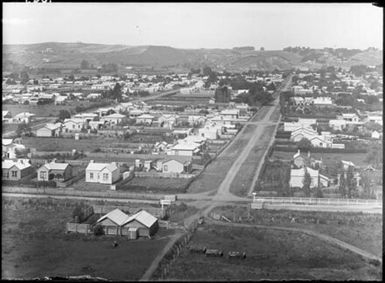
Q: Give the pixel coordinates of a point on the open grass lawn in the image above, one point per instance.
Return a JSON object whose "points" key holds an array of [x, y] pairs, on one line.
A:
{"points": [[45, 110], [328, 158], [157, 185], [274, 255], [243, 180], [216, 171], [34, 244], [361, 230]]}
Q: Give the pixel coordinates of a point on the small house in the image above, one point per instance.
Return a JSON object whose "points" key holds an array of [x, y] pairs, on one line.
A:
{"points": [[16, 170], [145, 119], [145, 223], [112, 221], [103, 173], [176, 165], [24, 117], [49, 130], [54, 171]]}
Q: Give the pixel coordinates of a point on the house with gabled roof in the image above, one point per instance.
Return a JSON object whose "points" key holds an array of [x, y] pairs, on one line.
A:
{"points": [[177, 164], [103, 173], [16, 170], [50, 130], [145, 223], [10, 147], [54, 171]]}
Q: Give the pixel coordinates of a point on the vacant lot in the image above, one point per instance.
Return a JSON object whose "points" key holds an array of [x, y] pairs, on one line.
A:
{"points": [[216, 171], [361, 230], [243, 180], [157, 185], [34, 244], [273, 255], [45, 110]]}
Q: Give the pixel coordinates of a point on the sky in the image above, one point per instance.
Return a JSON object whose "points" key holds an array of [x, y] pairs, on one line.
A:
{"points": [[197, 25]]}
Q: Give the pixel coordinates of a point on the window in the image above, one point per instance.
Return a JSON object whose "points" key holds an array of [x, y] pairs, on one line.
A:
{"points": [[105, 176], [14, 173], [91, 176], [43, 175], [165, 168]]}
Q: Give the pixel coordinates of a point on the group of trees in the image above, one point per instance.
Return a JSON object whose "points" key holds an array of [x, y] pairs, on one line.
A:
{"points": [[347, 183]]}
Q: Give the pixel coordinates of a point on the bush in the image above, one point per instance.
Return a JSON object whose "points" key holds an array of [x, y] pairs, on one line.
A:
{"points": [[98, 230]]}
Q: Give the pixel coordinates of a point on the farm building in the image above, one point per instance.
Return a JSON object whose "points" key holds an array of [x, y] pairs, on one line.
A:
{"points": [[54, 171], [16, 170], [49, 130], [145, 223], [103, 173]]}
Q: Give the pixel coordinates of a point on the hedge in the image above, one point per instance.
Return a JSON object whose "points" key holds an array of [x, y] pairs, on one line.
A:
{"points": [[30, 183]]}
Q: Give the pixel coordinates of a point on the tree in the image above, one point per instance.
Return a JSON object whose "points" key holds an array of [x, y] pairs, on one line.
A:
{"points": [[306, 184], [342, 185], [304, 144], [64, 114], [350, 181], [23, 129], [84, 64], [98, 230], [262, 49], [24, 77]]}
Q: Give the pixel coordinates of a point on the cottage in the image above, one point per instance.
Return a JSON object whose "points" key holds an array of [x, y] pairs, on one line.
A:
{"points": [[54, 171], [297, 177], [74, 124], [301, 133], [24, 117], [16, 170], [376, 135], [7, 117], [176, 165], [337, 124], [145, 223], [113, 119], [112, 221], [49, 130], [210, 132], [103, 173], [10, 148], [230, 113], [145, 119], [184, 149], [320, 141]]}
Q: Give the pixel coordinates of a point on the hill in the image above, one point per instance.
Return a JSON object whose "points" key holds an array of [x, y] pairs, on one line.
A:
{"points": [[69, 55]]}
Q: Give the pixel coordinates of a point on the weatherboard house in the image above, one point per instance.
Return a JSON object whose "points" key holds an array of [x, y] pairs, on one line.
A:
{"points": [[54, 171], [103, 173]]}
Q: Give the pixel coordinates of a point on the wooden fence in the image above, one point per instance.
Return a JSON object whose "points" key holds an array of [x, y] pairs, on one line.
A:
{"points": [[78, 228], [163, 175]]}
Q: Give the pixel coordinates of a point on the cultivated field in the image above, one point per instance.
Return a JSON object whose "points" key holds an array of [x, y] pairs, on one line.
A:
{"points": [[274, 255], [34, 245], [157, 185], [243, 180], [45, 110], [361, 230], [216, 171]]}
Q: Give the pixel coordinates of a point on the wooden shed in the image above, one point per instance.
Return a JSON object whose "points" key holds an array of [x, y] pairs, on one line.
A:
{"points": [[145, 223]]}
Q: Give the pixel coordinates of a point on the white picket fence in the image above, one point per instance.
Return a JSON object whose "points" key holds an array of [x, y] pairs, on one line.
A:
{"points": [[318, 201]]}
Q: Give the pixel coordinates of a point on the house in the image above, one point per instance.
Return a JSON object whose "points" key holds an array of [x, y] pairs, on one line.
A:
{"points": [[145, 119], [49, 130], [88, 117], [322, 101], [210, 132], [74, 124], [103, 173], [301, 133], [230, 113], [347, 164], [10, 148], [24, 117], [145, 223], [349, 117], [54, 171], [112, 221], [320, 141], [376, 135], [60, 99], [96, 125], [297, 177], [113, 119], [184, 148], [300, 160], [176, 165], [7, 116], [337, 124], [16, 170], [135, 113]]}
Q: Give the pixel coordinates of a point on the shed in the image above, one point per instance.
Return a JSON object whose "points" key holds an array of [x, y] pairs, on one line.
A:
{"points": [[146, 224]]}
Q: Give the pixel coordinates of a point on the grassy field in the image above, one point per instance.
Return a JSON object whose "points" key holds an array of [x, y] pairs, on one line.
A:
{"points": [[45, 110], [216, 171], [361, 230], [157, 185], [34, 244], [243, 180], [272, 255]]}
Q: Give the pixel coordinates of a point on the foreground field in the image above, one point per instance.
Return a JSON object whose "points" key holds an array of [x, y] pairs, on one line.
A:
{"points": [[242, 182], [216, 171], [360, 230], [272, 255], [157, 185], [34, 244]]}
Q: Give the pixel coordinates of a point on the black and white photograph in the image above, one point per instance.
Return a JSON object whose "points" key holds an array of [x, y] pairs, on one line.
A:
{"points": [[205, 141]]}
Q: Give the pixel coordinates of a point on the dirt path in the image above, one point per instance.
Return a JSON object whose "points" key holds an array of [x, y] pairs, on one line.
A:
{"points": [[323, 237]]}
